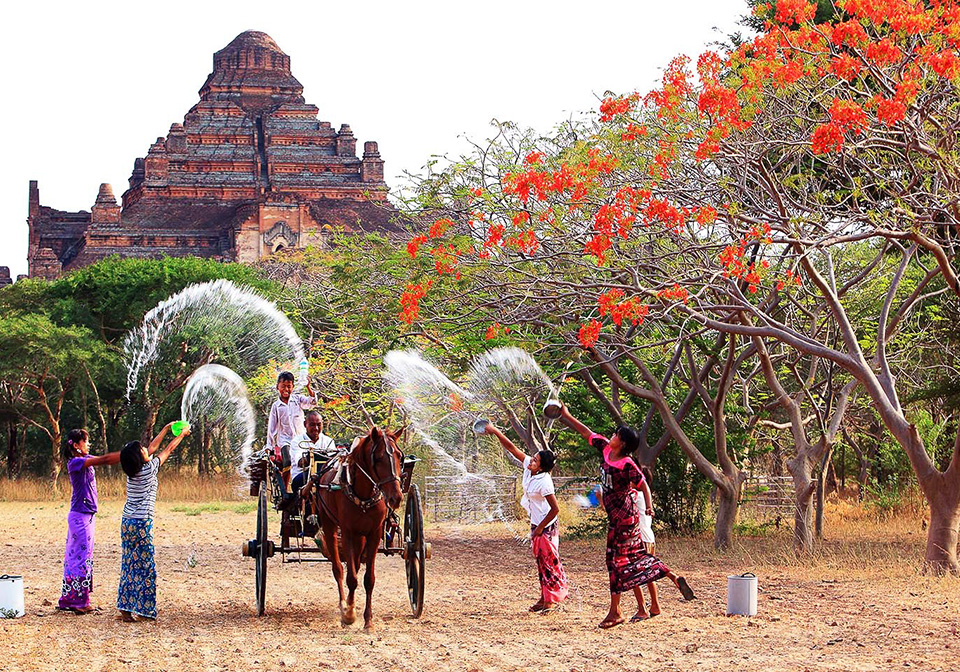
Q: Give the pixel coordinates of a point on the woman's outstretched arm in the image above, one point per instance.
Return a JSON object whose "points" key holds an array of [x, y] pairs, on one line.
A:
{"points": [[507, 444]]}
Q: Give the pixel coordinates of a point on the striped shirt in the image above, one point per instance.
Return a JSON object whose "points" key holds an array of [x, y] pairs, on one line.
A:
{"points": [[142, 492]]}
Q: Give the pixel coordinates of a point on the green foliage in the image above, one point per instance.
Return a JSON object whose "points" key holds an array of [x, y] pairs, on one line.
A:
{"points": [[752, 528], [884, 499], [112, 296], [681, 494], [215, 507], [58, 331], [591, 524]]}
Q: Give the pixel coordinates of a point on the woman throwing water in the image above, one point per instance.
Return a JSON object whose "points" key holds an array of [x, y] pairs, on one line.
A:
{"points": [[628, 562]]}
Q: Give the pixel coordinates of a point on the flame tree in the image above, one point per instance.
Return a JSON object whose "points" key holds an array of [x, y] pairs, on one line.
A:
{"points": [[756, 194]]}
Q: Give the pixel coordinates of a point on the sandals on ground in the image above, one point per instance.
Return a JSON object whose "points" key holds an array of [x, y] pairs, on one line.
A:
{"points": [[606, 624]]}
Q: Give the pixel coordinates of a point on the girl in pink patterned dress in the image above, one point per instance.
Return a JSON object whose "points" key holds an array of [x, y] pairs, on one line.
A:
{"points": [[629, 564]]}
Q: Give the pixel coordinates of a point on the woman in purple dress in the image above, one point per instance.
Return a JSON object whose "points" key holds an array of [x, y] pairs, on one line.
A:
{"points": [[78, 558], [628, 562]]}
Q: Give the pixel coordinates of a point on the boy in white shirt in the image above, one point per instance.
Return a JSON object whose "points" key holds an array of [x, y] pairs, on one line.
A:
{"points": [[286, 415], [540, 501]]}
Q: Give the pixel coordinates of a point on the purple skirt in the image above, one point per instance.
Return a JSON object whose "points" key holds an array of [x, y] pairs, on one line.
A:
{"points": [[78, 562]]}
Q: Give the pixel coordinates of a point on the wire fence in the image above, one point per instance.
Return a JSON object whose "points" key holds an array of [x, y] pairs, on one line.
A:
{"points": [[476, 498], [768, 496]]}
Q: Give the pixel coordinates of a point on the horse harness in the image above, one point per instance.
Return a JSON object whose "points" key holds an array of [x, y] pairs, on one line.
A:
{"points": [[344, 481]]}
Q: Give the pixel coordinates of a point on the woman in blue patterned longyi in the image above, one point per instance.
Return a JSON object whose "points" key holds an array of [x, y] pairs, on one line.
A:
{"points": [[137, 594]]}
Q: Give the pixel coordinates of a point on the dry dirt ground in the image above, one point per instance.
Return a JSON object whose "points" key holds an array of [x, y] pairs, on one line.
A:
{"points": [[870, 609]]}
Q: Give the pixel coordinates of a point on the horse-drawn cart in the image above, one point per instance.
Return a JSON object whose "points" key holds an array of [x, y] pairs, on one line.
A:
{"points": [[300, 537]]}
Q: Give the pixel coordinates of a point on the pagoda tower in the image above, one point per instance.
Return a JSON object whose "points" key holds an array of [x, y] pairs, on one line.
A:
{"points": [[250, 171]]}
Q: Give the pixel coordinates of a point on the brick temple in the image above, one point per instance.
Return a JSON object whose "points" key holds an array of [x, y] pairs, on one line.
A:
{"points": [[250, 171]]}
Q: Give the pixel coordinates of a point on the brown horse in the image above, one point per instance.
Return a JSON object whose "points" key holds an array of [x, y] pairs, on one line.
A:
{"points": [[358, 507]]}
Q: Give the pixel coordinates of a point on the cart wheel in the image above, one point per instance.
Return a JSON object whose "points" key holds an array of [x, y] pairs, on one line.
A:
{"points": [[414, 550], [263, 548]]}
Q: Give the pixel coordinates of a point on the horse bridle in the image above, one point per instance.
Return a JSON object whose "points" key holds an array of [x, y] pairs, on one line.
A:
{"points": [[377, 494]]}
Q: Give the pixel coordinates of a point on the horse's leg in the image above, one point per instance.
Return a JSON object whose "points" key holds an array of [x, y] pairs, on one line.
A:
{"points": [[370, 577], [333, 551], [351, 546]]}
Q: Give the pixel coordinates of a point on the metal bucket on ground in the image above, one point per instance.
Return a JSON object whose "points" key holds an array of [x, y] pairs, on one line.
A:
{"points": [[742, 595], [11, 596]]}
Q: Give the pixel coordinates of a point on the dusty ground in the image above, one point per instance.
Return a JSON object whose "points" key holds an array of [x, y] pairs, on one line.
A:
{"points": [[859, 608]]}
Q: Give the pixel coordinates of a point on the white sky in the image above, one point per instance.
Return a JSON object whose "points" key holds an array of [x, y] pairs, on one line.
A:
{"points": [[90, 85]]}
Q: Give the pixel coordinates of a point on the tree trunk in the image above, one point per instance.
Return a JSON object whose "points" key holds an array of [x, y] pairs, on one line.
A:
{"points": [[149, 421], [728, 505], [803, 487], [14, 454], [100, 417], [821, 489], [55, 443], [941, 555]]}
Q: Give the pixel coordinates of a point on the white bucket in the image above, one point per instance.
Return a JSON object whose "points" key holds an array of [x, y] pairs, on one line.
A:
{"points": [[742, 595], [11, 594]]}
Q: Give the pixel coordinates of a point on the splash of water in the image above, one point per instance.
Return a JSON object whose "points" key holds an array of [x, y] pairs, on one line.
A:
{"points": [[442, 414], [502, 381], [511, 385], [217, 396], [234, 322], [441, 411]]}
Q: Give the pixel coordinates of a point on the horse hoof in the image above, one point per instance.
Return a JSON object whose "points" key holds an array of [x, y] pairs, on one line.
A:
{"points": [[369, 627]]}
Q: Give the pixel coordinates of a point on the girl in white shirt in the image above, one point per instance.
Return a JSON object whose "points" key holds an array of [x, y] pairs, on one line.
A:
{"points": [[540, 501]]}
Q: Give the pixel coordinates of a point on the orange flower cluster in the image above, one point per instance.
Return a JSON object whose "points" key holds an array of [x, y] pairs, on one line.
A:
{"points": [[410, 301], [633, 132], [597, 247], [445, 260], [846, 67], [889, 111], [495, 330], [675, 293], [848, 116], [615, 106], [589, 333], [884, 52], [413, 245], [676, 87], [790, 279], [339, 401], [849, 33], [569, 178], [611, 303], [662, 211], [827, 138], [439, 227], [759, 232], [945, 63], [732, 260], [456, 402], [706, 215], [719, 103], [795, 11]]}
